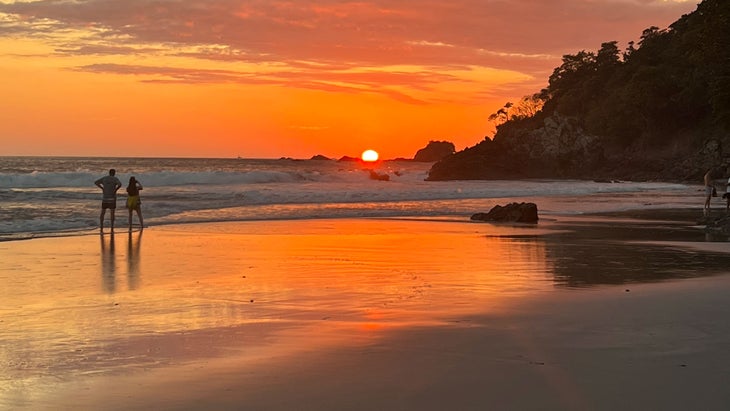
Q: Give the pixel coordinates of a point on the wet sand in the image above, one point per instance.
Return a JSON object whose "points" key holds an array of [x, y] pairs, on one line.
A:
{"points": [[592, 312]]}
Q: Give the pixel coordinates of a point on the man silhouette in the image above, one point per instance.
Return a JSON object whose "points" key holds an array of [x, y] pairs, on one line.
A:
{"points": [[109, 186]]}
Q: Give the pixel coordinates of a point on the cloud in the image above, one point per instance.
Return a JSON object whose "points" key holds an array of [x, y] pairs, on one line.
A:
{"points": [[375, 82], [104, 49], [324, 41], [363, 30], [161, 74]]}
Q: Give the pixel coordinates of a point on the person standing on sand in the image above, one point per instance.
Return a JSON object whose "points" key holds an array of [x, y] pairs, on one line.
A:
{"points": [[709, 187], [109, 186], [133, 201]]}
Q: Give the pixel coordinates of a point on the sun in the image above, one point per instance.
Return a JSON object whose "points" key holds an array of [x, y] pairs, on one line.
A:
{"points": [[369, 155]]}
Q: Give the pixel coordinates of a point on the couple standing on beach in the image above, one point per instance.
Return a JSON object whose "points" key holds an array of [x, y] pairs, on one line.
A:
{"points": [[109, 185]]}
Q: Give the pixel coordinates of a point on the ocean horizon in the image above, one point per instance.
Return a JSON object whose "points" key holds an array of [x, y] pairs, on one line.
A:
{"points": [[56, 196]]}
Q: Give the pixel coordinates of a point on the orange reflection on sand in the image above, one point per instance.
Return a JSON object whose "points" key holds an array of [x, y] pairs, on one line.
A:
{"points": [[405, 269], [370, 327], [345, 269], [279, 286]]}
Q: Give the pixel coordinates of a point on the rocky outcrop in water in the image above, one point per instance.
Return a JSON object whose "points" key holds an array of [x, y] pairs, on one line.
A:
{"points": [[374, 175], [435, 151], [320, 157], [559, 147]]}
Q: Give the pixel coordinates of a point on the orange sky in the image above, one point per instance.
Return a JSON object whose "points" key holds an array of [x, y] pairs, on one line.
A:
{"points": [[270, 78]]}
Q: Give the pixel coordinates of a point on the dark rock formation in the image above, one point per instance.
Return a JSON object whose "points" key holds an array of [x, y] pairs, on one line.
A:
{"points": [[374, 175], [512, 212], [348, 158], [435, 151], [320, 157], [558, 147]]}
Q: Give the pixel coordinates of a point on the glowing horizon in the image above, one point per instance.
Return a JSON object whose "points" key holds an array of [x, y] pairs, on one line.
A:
{"points": [[284, 79]]}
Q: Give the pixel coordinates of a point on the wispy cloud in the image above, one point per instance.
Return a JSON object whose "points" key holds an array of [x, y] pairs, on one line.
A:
{"points": [[373, 81]]}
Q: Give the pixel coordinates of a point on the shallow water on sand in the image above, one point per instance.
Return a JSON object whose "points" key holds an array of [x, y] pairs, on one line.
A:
{"points": [[170, 295]]}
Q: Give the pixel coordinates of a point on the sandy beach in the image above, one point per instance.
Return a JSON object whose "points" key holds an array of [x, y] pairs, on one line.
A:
{"points": [[574, 313]]}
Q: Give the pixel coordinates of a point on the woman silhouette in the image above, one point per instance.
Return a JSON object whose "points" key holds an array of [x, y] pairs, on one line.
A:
{"points": [[134, 202]]}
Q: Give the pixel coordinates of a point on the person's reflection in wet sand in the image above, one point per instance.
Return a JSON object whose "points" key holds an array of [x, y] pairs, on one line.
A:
{"points": [[108, 264], [133, 258]]}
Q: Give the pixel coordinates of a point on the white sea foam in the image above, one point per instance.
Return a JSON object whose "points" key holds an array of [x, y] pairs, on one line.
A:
{"points": [[46, 195], [73, 179]]}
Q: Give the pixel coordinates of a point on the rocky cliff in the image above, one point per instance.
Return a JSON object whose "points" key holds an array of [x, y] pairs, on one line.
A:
{"points": [[657, 112], [561, 148]]}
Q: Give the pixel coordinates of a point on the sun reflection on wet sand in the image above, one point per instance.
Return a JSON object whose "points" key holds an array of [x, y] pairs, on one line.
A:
{"points": [[201, 290]]}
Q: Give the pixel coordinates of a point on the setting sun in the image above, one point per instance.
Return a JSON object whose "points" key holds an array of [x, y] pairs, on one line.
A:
{"points": [[369, 155]]}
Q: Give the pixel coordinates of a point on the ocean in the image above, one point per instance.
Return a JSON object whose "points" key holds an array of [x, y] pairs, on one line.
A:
{"points": [[56, 196]]}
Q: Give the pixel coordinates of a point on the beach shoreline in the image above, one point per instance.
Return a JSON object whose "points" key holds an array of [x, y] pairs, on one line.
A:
{"points": [[576, 312]]}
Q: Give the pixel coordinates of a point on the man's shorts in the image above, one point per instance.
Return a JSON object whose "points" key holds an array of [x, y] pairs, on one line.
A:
{"points": [[110, 204]]}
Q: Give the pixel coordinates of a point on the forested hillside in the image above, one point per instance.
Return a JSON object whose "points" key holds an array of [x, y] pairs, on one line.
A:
{"points": [[658, 109]]}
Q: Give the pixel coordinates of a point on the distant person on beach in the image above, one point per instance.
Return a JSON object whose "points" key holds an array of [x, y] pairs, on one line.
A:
{"points": [[133, 201], [726, 196], [109, 185], [709, 188]]}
